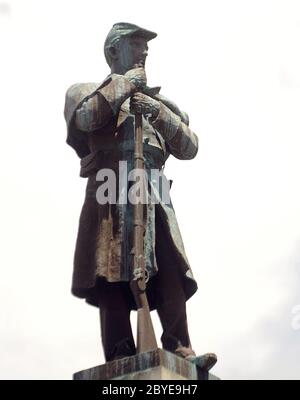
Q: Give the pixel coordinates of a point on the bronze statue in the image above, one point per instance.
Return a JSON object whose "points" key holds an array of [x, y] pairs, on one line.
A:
{"points": [[101, 120]]}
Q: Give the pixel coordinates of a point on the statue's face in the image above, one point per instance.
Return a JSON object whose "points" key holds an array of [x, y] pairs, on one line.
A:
{"points": [[131, 53]]}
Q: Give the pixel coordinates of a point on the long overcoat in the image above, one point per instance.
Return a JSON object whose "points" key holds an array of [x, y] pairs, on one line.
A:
{"points": [[101, 130]]}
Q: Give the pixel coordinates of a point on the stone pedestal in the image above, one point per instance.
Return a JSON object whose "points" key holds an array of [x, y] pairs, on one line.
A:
{"points": [[153, 365]]}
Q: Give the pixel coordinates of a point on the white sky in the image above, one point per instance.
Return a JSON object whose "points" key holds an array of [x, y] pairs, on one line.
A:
{"points": [[234, 66]]}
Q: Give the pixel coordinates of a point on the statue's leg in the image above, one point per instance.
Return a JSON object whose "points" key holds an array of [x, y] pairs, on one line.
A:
{"points": [[171, 300], [171, 308], [116, 333]]}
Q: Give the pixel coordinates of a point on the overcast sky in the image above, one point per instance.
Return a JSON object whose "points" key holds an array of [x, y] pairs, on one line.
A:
{"points": [[234, 66]]}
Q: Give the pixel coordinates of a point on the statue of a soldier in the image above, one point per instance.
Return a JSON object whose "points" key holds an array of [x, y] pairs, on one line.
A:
{"points": [[100, 119]]}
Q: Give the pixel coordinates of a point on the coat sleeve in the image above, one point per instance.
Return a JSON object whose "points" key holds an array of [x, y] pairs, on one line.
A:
{"points": [[96, 110], [182, 143]]}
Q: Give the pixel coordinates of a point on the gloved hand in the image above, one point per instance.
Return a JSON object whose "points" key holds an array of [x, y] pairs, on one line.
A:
{"points": [[137, 76], [142, 104]]}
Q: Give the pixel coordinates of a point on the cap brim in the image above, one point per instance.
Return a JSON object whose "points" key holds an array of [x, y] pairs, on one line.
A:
{"points": [[144, 33]]}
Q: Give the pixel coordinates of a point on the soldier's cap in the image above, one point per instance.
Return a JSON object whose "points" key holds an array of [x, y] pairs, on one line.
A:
{"points": [[122, 29]]}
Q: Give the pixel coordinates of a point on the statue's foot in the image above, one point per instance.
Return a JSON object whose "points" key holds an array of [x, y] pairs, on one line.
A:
{"points": [[122, 349], [205, 361], [185, 352]]}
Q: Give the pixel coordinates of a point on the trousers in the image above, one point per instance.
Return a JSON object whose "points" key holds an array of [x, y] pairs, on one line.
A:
{"points": [[115, 300]]}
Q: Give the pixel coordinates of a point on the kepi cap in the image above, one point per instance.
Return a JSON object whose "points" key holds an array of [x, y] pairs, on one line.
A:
{"points": [[122, 29]]}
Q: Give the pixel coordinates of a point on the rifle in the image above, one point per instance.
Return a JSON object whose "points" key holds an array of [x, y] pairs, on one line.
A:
{"points": [[146, 340]]}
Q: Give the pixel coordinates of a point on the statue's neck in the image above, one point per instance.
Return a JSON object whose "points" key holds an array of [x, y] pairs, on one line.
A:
{"points": [[118, 69]]}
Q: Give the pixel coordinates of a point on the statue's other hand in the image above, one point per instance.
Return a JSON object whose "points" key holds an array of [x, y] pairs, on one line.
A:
{"points": [[143, 104], [137, 76]]}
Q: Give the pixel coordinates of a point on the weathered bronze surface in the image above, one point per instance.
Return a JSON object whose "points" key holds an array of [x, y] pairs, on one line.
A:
{"points": [[153, 365], [101, 125], [145, 364]]}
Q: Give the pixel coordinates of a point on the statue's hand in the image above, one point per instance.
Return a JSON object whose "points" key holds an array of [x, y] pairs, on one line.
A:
{"points": [[137, 76], [143, 104]]}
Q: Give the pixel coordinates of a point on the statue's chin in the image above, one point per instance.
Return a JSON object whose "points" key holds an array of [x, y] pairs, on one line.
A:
{"points": [[140, 64]]}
